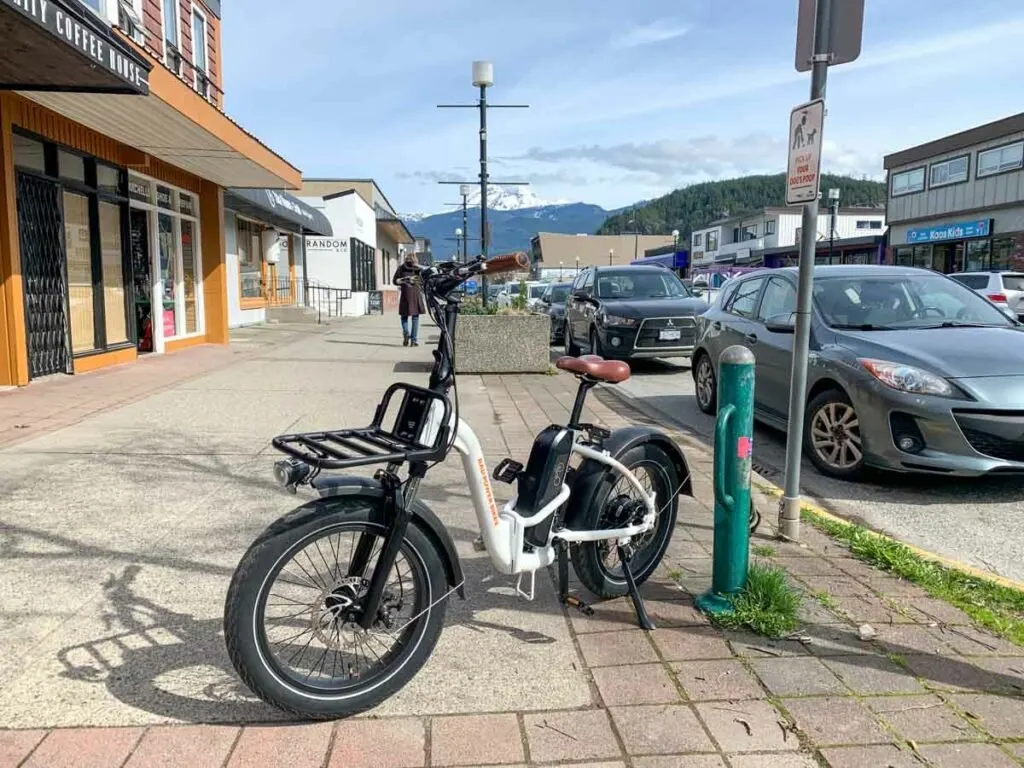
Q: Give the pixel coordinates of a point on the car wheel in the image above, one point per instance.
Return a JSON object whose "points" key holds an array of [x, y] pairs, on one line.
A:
{"points": [[705, 385], [570, 347], [595, 343], [832, 436]]}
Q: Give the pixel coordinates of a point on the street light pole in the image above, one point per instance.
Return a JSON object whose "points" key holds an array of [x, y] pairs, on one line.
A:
{"points": [[483, 78], [833, 201], [789, 506], [464, 190]]}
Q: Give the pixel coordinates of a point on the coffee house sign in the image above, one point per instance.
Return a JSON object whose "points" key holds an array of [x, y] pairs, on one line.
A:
{"points": [[55, 17]]}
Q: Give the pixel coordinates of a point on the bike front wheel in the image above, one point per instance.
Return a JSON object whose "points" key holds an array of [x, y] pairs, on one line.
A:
{"points": [[290, 621]]}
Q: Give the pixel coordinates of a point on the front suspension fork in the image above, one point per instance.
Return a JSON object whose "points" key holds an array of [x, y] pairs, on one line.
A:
{"points": [[398, 513]]}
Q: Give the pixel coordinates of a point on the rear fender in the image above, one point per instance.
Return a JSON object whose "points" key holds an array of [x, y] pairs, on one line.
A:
{"points": [[341, 486], [587, 478]]}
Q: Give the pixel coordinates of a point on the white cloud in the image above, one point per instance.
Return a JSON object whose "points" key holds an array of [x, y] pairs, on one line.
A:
{"points": [[650, 34]]}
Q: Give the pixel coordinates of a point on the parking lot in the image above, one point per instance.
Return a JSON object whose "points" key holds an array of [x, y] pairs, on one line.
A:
{"points": [[978, 521]]}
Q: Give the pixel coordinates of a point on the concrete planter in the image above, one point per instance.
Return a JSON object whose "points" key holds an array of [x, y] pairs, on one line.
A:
{"points": [[502, 344]]}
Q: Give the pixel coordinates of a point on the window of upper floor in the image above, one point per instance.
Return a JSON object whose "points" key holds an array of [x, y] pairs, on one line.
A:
{"points": [[1000, 159], [869, 224], [907, 182], [712, 241], [698, 240], [172, 25], [952, 171], [769, 227], [750, 232]]}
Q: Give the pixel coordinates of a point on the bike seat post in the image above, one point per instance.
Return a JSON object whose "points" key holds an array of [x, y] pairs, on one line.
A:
{"points": [[581, 396]]}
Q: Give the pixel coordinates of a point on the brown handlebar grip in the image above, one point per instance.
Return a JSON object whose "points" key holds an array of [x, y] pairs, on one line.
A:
{"points": [[507, 262]]}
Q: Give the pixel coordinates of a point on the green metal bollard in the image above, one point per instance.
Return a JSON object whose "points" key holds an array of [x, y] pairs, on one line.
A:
{"points": [[734, 442]]}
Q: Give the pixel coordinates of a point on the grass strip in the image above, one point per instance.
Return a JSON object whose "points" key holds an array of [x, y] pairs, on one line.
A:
{"points": [[993, 606]]}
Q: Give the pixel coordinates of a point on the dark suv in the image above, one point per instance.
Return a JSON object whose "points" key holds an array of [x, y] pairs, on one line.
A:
{"points": [[629, 312]]}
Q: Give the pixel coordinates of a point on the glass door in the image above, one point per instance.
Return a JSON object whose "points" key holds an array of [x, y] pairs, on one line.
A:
{"points": [[166, 243], [142, 277]]}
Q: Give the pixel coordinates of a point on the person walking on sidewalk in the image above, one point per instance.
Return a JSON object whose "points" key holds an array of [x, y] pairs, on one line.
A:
{"points": [[410, 302]]}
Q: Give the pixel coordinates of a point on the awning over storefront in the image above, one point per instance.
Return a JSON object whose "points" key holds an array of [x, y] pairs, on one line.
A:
{"points": [[59, 45], [393, 226], [177, 125], [282, 210]]}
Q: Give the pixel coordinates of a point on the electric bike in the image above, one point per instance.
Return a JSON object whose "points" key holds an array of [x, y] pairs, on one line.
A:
{"points": [[339, 603]]}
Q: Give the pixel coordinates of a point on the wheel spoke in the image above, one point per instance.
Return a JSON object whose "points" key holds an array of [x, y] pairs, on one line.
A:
{"points": [[855, 451], [847, 415]]}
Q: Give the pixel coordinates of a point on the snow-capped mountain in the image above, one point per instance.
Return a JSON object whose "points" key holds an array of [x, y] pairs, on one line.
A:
{"points": [[498, 199], [511, 227]]}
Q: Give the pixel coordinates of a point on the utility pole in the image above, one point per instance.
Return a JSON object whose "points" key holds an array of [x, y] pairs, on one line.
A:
{"points": [[483, 78], [833, 202], [823, 38]]}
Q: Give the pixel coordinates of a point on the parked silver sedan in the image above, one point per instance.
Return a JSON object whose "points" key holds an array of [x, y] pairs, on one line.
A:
{"points": [[909, 370]]}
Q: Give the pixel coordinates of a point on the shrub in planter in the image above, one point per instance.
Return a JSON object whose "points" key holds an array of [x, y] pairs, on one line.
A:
{"points": [[510, 340]]}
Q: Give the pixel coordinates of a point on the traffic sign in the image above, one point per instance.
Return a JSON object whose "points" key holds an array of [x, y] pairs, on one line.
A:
{"points": [[803, 177], [846, 29]]}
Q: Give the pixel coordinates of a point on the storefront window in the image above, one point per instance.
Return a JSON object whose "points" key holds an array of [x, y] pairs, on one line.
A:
{"points": [[113, 273], [364, 272], [250, 261], [921, 256], [71, 166], [188, 274], [178, 308], [29, 153], [979, 255], [904, 257], [168, 272], [78, 248], [108, 179]]}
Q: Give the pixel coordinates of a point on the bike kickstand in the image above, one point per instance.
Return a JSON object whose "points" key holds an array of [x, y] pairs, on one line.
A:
{"points": [[634, 593], [562, 549]]}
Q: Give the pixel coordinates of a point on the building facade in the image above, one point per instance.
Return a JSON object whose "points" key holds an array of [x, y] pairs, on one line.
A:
{"points": [[114, 158], [349, 259], [957, 204], [741, 240], [551, 252], [381, 229]]}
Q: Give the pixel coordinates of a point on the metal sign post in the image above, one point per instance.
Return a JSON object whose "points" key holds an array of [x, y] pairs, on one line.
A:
{"points": [[835, 41]]}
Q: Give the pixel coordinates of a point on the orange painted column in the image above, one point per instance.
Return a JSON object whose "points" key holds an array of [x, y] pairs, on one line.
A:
{"points": [[215, 268], [13, 346]]}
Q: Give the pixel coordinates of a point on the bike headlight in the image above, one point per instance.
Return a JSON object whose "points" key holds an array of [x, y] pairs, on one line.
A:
{"points": [[624, 322], [906, 378]]}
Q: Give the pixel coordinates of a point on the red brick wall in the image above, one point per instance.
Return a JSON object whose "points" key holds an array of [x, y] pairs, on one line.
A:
{"points": [[152, 17]]}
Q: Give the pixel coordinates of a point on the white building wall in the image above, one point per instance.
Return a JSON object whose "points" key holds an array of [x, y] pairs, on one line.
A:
{"points": [[328, 259]]}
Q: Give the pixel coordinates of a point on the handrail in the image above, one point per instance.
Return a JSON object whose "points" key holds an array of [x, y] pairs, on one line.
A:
{"points": [[325, 299]]}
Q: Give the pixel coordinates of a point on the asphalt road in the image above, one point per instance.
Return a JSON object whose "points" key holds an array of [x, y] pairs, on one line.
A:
{"points": [[978, 521]]}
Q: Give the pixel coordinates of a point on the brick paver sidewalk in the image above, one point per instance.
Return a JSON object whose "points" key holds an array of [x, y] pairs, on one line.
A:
{"points": [[928, 689]]}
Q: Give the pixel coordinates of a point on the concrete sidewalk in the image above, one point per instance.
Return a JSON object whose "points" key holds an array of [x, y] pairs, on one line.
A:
{"points": [[120, 533]]}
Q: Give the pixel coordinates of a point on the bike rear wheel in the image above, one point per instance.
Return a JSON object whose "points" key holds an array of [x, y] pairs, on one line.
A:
{"points": [[597, 563], [290, 618]]}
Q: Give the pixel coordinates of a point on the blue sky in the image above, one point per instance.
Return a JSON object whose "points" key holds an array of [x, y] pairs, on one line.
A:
{"points": [[627, 101]]}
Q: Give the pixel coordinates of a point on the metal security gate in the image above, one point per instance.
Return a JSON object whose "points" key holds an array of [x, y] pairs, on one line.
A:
{"points": [[43, 275]]}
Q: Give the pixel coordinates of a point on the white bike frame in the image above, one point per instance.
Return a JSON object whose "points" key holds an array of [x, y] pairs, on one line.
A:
{"points": [[503, 530]]}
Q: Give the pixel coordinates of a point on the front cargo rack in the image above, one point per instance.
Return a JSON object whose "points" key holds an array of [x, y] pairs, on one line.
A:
{"points": [[419, 432]]}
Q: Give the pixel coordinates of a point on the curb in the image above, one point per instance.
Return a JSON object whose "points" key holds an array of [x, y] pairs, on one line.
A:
{"points": [[691, 437]]}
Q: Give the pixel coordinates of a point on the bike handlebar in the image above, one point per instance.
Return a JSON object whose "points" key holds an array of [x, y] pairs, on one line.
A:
{"points": [[507, 262]]}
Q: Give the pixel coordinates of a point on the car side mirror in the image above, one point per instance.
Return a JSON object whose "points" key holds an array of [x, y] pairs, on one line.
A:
{"points": [[784, 323]]}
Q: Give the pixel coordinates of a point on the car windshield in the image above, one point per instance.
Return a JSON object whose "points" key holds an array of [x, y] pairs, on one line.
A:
{"points": [[639, 285], [512, 289], [1013, 282], [891, 302], [557, 294], [536, 291], [974, 282]]}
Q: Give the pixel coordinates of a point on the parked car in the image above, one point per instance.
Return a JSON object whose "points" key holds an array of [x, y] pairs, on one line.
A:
{"points": [[552, 303], [629, 312], [909, 370], [536, 290], [1004, 289], [510, 291]]}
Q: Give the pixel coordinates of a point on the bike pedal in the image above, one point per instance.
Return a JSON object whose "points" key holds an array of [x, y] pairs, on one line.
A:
{"points": [[507, 471], [579, 605], [479, 545]]}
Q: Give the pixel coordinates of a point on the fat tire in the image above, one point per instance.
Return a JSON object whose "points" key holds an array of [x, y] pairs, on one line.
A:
{"points": [[586, 559], [248, 580]]}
